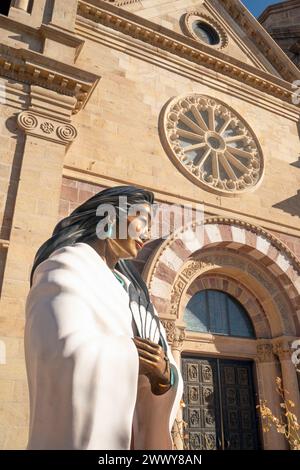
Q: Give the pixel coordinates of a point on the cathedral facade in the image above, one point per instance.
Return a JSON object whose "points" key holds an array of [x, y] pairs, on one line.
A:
{"points": [[193, 100]]}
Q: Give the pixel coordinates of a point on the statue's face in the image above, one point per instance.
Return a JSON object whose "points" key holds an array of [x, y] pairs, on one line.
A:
{"points": [[138, 232]]}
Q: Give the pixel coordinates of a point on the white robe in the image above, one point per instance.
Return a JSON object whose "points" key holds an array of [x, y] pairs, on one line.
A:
{"points": [[82, 365]]}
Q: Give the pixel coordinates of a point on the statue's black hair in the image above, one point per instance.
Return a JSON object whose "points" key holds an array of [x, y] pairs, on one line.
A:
{"points": [[80, 226]]}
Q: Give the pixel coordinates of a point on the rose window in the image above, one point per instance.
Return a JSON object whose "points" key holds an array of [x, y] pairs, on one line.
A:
{"points": [[205, 29], [212, 144]]}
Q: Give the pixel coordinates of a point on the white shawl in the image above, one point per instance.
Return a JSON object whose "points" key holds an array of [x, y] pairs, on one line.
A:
{"points": [[82, 365]]}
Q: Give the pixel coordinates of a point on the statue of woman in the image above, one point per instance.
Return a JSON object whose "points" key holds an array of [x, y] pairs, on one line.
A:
{"points": [[101, 374]]}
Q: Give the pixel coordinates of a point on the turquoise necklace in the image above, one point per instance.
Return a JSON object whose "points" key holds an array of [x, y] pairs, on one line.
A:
{"points": [[122, 282]]}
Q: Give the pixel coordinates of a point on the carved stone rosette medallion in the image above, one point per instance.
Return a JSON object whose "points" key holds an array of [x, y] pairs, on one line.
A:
{"points": [[211, 144]]}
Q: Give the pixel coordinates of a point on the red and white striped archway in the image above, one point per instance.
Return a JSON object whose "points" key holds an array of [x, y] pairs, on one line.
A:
{"points": [[268, 251]]}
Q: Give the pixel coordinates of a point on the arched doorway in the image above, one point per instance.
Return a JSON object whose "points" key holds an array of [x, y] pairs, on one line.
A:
{"points": [[219, 393], [256, 269]]}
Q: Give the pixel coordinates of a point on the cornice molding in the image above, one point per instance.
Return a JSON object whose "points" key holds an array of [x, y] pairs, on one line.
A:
{"points": [[184, 47], [262, 39], [50, 31], [33, 68], [120, 3]]}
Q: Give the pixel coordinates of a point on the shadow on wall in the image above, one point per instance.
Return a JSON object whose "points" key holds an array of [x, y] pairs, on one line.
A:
{"points": [[296, 164], [3, 255], [14, 177], [290, 205]]}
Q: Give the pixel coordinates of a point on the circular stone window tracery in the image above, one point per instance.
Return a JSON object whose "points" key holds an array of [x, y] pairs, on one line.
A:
{"points": [[205, 29], [211, 144]]}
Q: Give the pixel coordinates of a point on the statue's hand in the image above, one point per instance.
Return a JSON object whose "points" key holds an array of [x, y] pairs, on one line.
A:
{"points": [[153, 363]]}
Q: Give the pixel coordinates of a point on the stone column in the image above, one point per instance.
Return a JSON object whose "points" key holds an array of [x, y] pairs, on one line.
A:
{"points": [[177, 345], [48, 133], [176, 336], [45, 132], [282, 348], [267, 371]]}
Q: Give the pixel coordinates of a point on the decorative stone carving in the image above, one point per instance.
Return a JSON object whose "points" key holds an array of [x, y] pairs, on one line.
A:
{"points": [[193, 267], [265, 352], [175, 336], [47, 127], [283, 350], [236, 11], [119, 3], [190, 18], [169, 326], [176, 294], [183, 280], [178, 340], [211, 144], [27, 121], [34, 124], [66, 132]]}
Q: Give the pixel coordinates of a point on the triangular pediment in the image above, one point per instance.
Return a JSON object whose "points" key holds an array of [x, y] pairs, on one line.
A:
{"points": [[242, 37]]}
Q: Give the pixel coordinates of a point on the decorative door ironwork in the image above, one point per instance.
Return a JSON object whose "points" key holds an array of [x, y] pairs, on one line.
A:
{"points": [[219, 404]]}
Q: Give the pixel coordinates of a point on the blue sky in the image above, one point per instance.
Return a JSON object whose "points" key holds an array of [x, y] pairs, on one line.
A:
{"points": [[257, 6]]}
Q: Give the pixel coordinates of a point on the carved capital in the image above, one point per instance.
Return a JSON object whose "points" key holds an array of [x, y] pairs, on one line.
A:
{"points": [[178, 340], [45, 128], [169, 326], [175, 335], [283, 350], [265, 352]]}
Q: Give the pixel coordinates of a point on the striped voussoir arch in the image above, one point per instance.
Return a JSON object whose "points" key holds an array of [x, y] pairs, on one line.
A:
{"points": [[249, 239]]}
